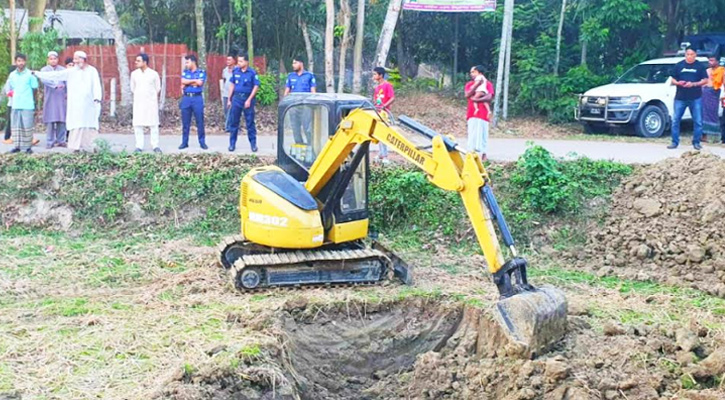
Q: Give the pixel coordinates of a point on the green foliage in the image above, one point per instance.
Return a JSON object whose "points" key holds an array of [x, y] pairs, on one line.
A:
{"points": [[36, 46], [394, 78], [549, 186], [101, 188], [403, 199], [420, 85], [555, 96], [267, 94], [200, 194]]}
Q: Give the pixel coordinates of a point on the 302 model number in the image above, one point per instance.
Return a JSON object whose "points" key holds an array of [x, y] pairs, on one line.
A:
{"points": [[268, 219]]}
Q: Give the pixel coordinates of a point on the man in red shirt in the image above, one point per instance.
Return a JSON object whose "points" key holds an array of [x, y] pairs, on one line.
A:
{"points": [[478, 117], [383, 97]]}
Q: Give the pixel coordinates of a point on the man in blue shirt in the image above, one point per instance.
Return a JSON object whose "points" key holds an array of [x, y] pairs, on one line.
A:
{"points": [[192, 102], [241, 100], [300, 81], [22, 83]]}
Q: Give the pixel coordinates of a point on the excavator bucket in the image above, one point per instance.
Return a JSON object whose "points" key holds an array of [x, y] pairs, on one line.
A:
{"points": [[533, 320]]}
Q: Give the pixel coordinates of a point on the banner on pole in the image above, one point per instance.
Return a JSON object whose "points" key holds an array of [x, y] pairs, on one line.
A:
{"points": [[450, 5]]}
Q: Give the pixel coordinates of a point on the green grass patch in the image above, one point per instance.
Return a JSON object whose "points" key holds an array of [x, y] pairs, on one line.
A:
{"points": [[69, 307], [682, 298]]}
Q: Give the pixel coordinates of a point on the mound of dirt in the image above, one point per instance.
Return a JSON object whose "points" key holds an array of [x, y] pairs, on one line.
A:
{"points": [[433, 349], [667, 223]]}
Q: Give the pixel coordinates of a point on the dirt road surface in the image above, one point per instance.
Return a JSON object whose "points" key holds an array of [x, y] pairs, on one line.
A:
{"points": [[501, 149]]}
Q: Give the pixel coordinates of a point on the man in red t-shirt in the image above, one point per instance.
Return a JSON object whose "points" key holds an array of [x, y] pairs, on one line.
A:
{"points": [[478, 116], [383, 97]]}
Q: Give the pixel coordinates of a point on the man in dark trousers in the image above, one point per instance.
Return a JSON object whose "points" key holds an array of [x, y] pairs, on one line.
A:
{"points": [[8, 93], [245, 83], [301, 81], [192, 102], [689, 76]]}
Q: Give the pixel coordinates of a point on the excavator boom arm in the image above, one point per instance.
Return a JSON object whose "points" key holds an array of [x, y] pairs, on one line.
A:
{"points": [[532, 318], [445, 166]]}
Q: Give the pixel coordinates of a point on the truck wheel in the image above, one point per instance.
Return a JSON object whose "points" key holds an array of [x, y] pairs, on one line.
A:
{"points": [[594, 129], [651, 122]]}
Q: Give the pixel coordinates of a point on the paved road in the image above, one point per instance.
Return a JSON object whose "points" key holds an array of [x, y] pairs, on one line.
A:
{"points": [[501, 149]]}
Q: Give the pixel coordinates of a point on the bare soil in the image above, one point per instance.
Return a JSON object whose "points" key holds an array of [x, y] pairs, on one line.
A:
{"points": [[144, 315], [434, 349], [667, 224]]}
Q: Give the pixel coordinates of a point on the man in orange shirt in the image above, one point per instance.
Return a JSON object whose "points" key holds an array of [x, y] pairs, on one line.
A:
{"points": [[711, 100]]}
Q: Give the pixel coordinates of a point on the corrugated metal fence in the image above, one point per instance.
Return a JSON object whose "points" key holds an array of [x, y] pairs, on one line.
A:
{"points": [[161, 56]]}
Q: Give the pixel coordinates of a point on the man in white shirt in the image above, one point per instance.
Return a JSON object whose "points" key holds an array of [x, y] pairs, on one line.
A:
{"points": [[227, 74], [145, 85], [84, 101]]}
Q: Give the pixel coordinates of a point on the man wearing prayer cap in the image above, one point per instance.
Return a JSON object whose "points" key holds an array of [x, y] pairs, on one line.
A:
{"points": [[54, 105], [84, 100]]}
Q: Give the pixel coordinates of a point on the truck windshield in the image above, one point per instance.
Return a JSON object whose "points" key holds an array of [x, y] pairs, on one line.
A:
{"points": [[647, 73]]}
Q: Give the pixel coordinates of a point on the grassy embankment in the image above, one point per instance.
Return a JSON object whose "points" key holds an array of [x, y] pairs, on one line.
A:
{"points": [[111, 303]]}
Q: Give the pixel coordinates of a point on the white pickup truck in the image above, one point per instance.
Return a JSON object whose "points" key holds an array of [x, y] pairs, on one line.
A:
{"points": [[643, 97]]}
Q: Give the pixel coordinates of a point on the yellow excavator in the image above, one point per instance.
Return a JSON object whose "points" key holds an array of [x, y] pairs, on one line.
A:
{"points": [[304, 221]]}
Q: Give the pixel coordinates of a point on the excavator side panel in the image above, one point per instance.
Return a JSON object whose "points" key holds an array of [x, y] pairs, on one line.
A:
{"points": [[272, 220], [348, 231]]}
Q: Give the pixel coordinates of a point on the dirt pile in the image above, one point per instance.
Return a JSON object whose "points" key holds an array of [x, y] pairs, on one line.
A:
{"points": [[433, 349], [667, 223]]}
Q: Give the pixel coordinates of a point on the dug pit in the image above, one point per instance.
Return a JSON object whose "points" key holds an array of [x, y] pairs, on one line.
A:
{"points": [[346, 358], [441, 349]]}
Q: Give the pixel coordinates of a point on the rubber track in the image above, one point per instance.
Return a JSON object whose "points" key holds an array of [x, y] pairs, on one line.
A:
{"points": [[301, 257]]}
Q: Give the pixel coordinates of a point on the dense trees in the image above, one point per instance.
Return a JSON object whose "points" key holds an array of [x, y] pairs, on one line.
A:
{"points": [[558, 47]]}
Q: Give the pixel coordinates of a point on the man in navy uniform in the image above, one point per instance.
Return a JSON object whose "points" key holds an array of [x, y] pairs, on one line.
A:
{"points": [[241, 100], [192, 102], [300, 81]]}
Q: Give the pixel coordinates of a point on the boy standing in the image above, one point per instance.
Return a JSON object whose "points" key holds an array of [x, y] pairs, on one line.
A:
{"points": [[383, 97]]}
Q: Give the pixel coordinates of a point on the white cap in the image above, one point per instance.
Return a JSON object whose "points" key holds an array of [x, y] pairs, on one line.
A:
{"points": [[52, 54], [80, 54]]}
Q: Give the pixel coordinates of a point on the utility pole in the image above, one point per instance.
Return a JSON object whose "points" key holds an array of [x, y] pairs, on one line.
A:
{"points": [[13, 33], [503, 69]]}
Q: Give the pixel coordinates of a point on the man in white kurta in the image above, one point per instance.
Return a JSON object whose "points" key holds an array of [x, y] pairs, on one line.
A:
{"points": [[145, 85], [84, 101]]}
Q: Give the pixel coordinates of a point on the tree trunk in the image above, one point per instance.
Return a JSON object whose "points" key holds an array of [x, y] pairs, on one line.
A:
{"points": [[583, 62], [229, 29], [345, 14], [455, 49], [507, 68], [558, 37], [308, 47], [386, 34], [200, 32], [13, 33], [358, 53], [147, 11], [507, 19], [330, 46], [250, 34], [673, 12], [36, 13], [123, 70]]}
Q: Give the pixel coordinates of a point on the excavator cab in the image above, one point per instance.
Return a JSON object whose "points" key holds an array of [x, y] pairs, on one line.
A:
{"points": [[307, 122]]}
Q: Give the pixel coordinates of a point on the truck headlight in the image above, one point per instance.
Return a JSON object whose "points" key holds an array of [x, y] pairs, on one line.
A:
{"points": [[584, 99]]}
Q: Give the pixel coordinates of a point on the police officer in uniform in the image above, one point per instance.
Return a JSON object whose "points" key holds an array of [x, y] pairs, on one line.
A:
{"points": [[300, 81], [241, 100], [192, 102]]}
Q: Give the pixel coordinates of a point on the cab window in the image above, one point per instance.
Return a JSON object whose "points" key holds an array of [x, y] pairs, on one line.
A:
{"points": [[355, 197], [306, 129]]}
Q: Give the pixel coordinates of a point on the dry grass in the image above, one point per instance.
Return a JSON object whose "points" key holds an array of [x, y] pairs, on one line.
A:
{"points": [[93, 317]]}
